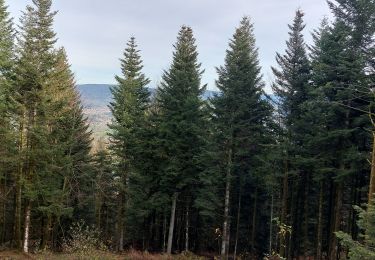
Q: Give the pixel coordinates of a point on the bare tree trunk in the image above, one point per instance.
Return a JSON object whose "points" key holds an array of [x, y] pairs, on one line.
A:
{"points": [[284, 206], [47, 222], [306, 216], [187, 229], [120, 223], [254, 221], [320, 224], [225, 236], [270, 234], [18, 198], [164, 232], [27, 228], [336, 222], [372, 175], [171, 223], [238, 222]]}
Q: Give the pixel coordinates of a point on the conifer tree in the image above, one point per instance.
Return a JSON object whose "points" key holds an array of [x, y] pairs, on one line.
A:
{"points": [[341, 81], [47, 100], [240, 117], [33, 72], [292, 90], [130, 102], [7, 149], [180, 125], [363, 249]]}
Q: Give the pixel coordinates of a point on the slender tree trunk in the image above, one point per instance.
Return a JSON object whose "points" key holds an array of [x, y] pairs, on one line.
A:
{"points": [[320, 224], [18, 197], [238, 222], [187, 229], [27, 228], [336, 222], [46, 232], [171, 223], [254, 219], [120, 223], [270, 234], [164, 232], [284, 206], [293, 215], [225, 236], [306, 216], [372, 174]]}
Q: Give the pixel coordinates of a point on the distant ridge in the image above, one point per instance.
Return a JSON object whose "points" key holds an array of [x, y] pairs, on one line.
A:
{"points": [[99, 95], [95, 99]]}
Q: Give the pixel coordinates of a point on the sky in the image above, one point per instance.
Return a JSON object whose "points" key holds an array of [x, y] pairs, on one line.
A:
{"points": [[95, 32]]}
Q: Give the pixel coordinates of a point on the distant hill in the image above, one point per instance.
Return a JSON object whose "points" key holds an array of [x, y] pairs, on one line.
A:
{"points": [[95, 99], [99, 95]]}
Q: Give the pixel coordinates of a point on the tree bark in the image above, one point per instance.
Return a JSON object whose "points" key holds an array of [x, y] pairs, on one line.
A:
{"points": [[164, 232], [238, 222], [333, 252], [187, 229], [270, 234], [306, 216], [254, 218], [171, 223], [284, 206], [18, 197], [120, 223], [27, 228], [225, 239], [320, 224], [372, 174]]}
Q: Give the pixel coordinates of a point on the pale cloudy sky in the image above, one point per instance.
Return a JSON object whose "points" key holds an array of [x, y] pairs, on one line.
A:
{"points": [[94, 32]]}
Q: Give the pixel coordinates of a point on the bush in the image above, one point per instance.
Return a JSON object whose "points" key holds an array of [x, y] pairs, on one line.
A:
{"points": [[83, 241]]}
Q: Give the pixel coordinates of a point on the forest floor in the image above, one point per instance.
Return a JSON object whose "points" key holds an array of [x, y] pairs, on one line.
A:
{"points": [[13, 255]]}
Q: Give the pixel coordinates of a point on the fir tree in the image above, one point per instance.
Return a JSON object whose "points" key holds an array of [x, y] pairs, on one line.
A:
{"points": [[7, 106], [340, 83], [130, 102], [363, 249], [180, 124], [240, 117], [292, 90]]}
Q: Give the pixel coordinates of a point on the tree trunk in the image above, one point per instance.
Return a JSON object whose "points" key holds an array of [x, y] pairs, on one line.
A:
{"points": [[320, 224], [171, 223], [120, 223], [46, 232], [254, 221], [164, 231], [306, 216], [225, 235], [372, 174], [187, 229], [27, 228], [270, 234], [284, 206], [18, 197], [336, 222], [238, 222]]}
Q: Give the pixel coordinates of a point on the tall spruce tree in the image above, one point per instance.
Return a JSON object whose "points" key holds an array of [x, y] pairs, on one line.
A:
{"points": [[292, 90], [181, 121], [36, 59], [340, 78], [130, 102], [7, 150], [241, 116], [47, 100]]}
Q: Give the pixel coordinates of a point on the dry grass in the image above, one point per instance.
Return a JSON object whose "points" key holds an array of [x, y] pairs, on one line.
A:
{"points": [[99, 255]]}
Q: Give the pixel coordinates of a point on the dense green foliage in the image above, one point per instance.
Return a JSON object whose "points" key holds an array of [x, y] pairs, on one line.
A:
{"points": [[243, 173]]}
